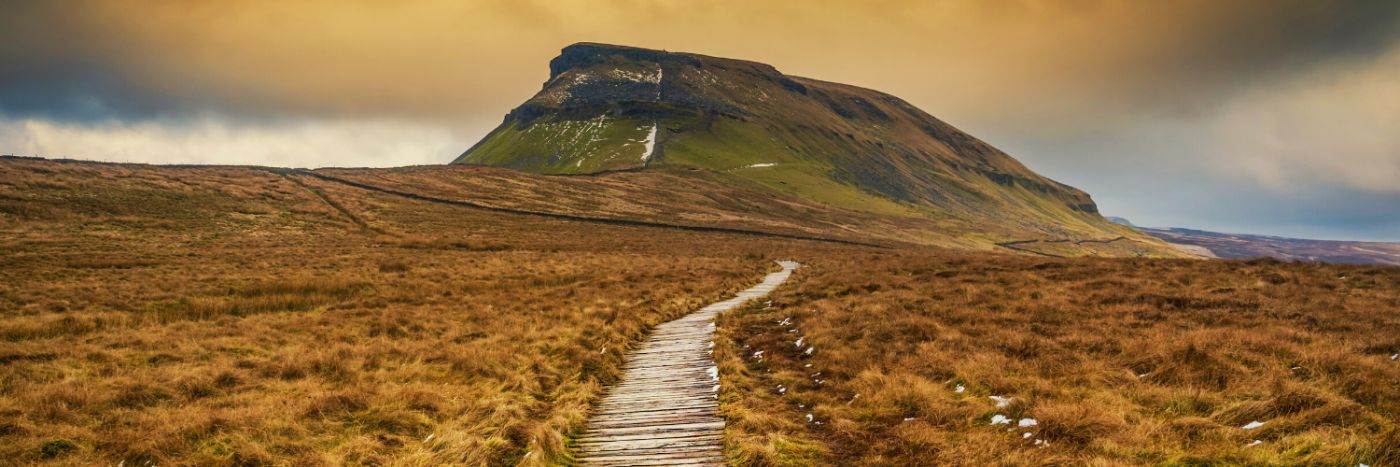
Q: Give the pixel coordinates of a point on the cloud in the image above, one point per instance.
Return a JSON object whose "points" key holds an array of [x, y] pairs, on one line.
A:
{"points": [[441, 58], [1253, 99], [1315, 155], [1335, 126], [213, 140]]}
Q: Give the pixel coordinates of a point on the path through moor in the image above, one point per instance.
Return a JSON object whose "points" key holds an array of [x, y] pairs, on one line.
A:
{"points": [[665, 412]]}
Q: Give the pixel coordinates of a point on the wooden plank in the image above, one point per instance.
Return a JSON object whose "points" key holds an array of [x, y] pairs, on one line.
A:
{"points": [[652, 416], [668, 452], [637, 421], [712, 424], [695, 380], [660, 404], [642, 448], [677, 366], [663, 392], [664, 412], [609, 443], [706, 455], [635, 437], [624, 409], [671, 463]]}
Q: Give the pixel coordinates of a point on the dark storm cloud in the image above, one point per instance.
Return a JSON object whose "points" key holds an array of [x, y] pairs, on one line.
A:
{"points": [[86, 59], [76, 93], [51, 67]]}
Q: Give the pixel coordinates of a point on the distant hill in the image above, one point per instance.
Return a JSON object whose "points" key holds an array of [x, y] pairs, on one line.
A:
{"points": [[1120, 221], [607, 108], [1224, 245]]}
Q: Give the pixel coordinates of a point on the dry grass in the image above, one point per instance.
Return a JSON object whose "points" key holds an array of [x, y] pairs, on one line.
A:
{"points": [[238, 316], [696, 197], [230, 316], [1119, 362]]}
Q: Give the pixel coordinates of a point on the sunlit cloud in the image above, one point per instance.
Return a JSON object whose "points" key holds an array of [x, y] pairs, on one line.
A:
{"points": [[1338, 126], [210, 140]]}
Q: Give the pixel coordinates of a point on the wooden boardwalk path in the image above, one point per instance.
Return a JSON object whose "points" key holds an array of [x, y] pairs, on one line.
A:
{"points": [[665, 410]]}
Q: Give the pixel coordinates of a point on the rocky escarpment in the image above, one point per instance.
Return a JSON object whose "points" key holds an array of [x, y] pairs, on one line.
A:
{"points": [[607, 107]]}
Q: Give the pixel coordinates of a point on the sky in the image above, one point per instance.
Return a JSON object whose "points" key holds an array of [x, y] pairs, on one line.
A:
{"points": [[1277, 117]]}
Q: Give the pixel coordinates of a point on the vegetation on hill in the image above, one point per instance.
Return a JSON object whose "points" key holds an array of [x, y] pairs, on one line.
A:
{"points": [[608, 108], [705, 199]]}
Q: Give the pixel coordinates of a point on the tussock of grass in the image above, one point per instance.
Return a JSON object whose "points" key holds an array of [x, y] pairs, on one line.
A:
{"points": [[295, 294], [442, 243]]}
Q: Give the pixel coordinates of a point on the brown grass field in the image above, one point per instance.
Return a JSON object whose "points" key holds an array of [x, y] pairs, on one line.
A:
{"points": [[232, 316], [1118, 362], [240, 316], [699, 198]]}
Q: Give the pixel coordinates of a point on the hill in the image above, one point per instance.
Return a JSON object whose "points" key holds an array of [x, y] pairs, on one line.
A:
{"points": [[1227, 245], [609, 108]]}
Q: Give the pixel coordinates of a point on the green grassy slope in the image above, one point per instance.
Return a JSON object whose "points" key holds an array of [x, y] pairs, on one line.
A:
{"points": [[835, 144]]}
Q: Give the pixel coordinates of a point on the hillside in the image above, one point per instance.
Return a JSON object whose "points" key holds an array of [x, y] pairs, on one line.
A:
{"points": [[608, 108]]}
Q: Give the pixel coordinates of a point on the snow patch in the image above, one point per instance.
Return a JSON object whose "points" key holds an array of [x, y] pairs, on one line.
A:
{"points": [[1000, 419], [760, 165], [636, 76], [1027, 422], [1252, 425], [649, 144], [1001, 401], [959, 389]]}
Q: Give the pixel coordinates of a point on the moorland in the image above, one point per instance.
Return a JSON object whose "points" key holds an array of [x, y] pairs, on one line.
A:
{"points": [[245, 315]]}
